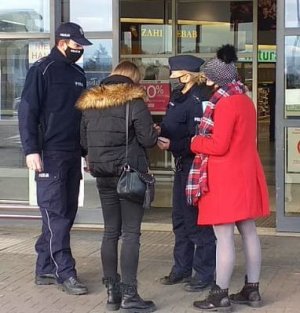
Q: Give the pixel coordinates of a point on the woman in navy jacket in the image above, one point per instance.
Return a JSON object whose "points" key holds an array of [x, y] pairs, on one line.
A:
{"points": [[194, 245]]}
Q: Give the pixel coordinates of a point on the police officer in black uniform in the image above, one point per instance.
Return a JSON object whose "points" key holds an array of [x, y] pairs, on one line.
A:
{"points": [[194, 250], [49, 126]]}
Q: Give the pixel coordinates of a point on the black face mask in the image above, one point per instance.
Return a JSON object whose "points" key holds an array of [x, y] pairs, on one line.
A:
{"points": [[176, 84], [73, 54]]}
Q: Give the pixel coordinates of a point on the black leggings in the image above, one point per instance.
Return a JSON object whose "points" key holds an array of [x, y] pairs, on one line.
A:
{"points": [[121, 217]]}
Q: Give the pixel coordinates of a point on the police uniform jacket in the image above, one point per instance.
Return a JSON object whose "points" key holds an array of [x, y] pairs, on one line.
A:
{"points": [[103, 127], [48, 118], [182, 117]]}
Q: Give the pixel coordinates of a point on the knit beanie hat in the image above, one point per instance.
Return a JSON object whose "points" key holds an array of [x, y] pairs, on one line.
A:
{"points": [[221, 69]]}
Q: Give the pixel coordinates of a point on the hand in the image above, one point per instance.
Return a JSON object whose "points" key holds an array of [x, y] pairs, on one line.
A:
{"points": [[86, 166], [157, 128], [34, 162], [163, 143]]}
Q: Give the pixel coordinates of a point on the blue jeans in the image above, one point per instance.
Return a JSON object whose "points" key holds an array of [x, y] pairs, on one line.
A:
{"points": [[121, 218]]}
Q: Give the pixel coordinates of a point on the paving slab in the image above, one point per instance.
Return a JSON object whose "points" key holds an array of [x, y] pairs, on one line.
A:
{"points": [[280, 278]]}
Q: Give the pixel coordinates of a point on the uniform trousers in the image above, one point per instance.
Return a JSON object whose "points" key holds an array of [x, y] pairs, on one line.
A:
{"points": [[57, 197], [195, 247]]}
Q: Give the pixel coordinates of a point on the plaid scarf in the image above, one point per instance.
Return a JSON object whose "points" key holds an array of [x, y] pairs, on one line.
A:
{"points": [[197, 180]]}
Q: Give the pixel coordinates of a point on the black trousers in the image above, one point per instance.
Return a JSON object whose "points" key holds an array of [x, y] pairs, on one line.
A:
{"points": [[195, 247], [121, 218], [57, 197]]}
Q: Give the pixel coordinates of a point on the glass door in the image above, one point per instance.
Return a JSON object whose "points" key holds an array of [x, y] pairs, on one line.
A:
{"points": [[288, 116], [23, 38]]}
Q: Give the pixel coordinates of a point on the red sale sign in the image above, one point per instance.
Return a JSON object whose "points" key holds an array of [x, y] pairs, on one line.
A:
{"points": [[158, 94]]}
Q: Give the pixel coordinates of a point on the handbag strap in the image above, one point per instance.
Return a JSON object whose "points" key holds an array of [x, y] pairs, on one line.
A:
{"points": [[127, 126]]}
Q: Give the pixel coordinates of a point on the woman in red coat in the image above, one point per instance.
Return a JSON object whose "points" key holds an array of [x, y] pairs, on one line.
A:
{"points": [[230, 187]]}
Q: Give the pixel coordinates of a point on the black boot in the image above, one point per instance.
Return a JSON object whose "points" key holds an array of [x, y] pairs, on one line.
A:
{"points": [[133, 303], [217, 301], [113, 293], [249, 295]]}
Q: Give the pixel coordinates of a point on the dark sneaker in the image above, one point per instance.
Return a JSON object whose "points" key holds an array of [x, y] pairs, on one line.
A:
{"points": [[73, 287], [197, 285], [173, 279], [45, 279]]}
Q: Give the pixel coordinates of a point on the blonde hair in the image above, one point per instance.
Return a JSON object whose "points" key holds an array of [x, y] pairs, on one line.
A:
{"points": [[198, 78], [128, 69]]}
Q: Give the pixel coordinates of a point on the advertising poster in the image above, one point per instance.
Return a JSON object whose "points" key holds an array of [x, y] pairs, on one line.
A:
{"points": [[293, 150], [38, 50], [158, 94]]}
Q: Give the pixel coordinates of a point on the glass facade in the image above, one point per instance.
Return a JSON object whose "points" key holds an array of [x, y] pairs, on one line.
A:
{"points": [[92, 15], [152, 31], [292, 13], [30, 17], [148, 32], [292, 112]]}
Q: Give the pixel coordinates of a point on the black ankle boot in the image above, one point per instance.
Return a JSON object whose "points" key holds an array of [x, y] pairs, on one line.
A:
{"points": [[133, 303], [217, 301], [249, 295], [113, 293]]}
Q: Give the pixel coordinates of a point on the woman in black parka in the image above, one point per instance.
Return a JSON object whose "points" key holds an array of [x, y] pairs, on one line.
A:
{"points": [[103, 137]]}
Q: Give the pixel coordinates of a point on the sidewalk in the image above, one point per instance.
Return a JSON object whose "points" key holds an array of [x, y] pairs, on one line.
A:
{"points": [[280, 281]]}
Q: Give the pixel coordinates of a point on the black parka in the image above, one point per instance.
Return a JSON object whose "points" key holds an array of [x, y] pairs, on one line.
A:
{"points": [[103, 126]]}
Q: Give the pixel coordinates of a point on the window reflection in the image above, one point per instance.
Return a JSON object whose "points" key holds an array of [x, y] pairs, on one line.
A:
{"points": [[292, 172], [203, 26], [21, 16], [97, 61], [17, 56], [92, 15], [292, 13], [292, 75]]}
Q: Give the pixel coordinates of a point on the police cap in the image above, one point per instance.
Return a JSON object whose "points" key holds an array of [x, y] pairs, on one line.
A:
{"points": [[72, 31], [184, 63]]}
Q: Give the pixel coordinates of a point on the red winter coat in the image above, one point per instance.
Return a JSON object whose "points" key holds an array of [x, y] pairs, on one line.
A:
{"points": [[236, 181]]}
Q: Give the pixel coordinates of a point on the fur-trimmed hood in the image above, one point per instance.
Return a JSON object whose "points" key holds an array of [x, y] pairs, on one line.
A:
{"points": [[105, 96]]}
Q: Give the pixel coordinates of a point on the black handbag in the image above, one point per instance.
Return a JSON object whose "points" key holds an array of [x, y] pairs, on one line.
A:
{"points": [[132, 184]]}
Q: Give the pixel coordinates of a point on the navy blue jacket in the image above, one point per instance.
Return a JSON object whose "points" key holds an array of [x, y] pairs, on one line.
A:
{"points": [[181, 119], [48, 119]]}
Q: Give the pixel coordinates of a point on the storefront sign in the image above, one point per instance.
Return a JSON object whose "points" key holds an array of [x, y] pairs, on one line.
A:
{"points": [[263, 56], [293, 150], [160, 32], [38, 50], [266, 56], [158, 94]]}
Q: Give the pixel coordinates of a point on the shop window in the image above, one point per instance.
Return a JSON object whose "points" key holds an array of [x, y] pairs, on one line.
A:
{"points": [[292, 172], [145, 27], [24, 16], [292, 76]]}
